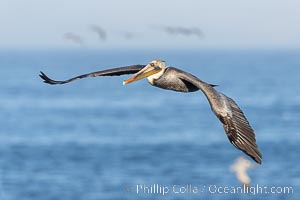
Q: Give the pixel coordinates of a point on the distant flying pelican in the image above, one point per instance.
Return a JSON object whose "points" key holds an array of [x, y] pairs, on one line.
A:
{"points": [[237, 128]]}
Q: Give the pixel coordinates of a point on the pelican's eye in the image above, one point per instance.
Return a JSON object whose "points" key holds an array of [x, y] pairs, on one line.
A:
{"points": [[152, 64]]}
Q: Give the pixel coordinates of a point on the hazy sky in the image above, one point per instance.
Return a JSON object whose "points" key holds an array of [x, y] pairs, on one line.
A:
{"points": [[139, 23]]}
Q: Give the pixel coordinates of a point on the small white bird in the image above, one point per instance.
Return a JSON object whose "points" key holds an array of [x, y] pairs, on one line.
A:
{"points": [[240, 167]]}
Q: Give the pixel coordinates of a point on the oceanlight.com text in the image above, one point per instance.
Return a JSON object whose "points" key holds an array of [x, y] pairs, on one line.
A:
{"points": [[257, 189]]}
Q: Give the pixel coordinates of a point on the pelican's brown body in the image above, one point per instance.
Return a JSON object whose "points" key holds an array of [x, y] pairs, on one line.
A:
{"points": [[170, 81]]}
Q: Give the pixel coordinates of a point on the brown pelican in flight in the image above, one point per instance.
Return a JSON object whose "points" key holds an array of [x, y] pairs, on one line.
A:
{"points": [[237, 128]]}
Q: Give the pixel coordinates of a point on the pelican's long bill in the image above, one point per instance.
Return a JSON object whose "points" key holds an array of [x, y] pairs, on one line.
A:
{"points": [[145, 72]]}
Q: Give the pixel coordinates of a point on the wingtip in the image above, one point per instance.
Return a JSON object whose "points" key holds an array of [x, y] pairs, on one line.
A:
{"points": [[45, 78], [257, 160], [41, 74], [256, 156]]}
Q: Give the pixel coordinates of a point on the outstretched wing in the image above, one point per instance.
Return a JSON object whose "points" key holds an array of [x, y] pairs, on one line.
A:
{"points": [[237, 127], [109, 72]]}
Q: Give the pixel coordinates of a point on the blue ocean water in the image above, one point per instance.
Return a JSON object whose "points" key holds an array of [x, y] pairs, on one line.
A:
{"points": [[97, 139]]}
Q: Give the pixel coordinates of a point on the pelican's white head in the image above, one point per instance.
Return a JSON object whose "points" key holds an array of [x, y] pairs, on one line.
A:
{"points": [[152, 71]]}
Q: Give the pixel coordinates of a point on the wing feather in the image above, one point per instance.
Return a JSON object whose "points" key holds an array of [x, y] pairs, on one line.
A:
{"points": [[109, 72], [237, 127], [239, 131]]}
